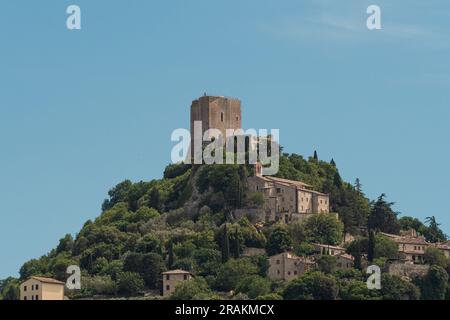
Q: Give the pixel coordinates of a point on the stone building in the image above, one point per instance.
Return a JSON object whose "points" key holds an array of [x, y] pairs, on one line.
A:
{"points": [[287, 200], [215, 112], [344, 261], [287, 266], [328, 249], [411, 246], [40, 288], [173, 278]]}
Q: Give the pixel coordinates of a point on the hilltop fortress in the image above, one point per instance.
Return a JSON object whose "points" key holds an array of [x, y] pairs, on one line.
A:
{"points": [[285, 200]]}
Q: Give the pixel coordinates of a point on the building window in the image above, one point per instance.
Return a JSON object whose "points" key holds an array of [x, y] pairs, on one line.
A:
{"points": [[278, 271], [278, 261], [32, 287], [37, 297], [24, 288], [25, 298], [295, 272], [237, 118], [37, 287], [289, 273], [185, 277], [168, 288], [278, 190], [221, 116], [167, 277], [32, 297]]}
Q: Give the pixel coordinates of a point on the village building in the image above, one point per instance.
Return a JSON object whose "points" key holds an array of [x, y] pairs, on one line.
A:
{"points": [[287, 266], [287, 200], [40, 288], [411, 246], [171, 279], [444, 247], [328, 249], [344, 261]]}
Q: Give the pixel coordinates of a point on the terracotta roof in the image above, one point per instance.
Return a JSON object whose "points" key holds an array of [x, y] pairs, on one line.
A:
{"points": [[405, 239], [177, 271], [48, 280], [346, 256], [328, 246], [286, 181], [291, 183]]}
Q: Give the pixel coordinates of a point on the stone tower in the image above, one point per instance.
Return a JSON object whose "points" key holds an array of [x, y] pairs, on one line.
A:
{"points": [[216, 113]]}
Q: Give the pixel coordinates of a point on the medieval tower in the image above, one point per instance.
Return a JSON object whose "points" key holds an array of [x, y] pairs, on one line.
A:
{"points": [[216, 113]]}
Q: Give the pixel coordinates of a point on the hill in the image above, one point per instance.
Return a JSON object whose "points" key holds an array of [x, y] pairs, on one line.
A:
{"points": [[184, 221]]}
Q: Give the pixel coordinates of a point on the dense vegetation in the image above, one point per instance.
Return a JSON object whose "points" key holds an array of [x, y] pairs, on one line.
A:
{"points": [[183, 221]]}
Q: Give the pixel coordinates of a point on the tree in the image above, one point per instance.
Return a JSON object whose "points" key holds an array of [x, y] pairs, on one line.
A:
{"points": [[326, 263], [279, 241], [434, 256], [155, 201], [65, 244], [312, 286], [170, 254], [385, 247], [395, 288], [225, 245], [382, 217], [434, 233], [324, 228], [371, 246], [149, 266], [130, 283], [9, 289], [254, 286], [434, 284], [233, 271], [337, 180], [194, 289], [358, 185], [236, 244], [354, 289]]}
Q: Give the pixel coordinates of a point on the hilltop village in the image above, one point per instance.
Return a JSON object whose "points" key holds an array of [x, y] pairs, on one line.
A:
{"points": [[231, 232]]}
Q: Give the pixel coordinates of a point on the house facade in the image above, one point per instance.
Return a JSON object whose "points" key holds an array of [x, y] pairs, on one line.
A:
{"points": [[171, 279], [287, 266], [287, 200], [40, 288]]}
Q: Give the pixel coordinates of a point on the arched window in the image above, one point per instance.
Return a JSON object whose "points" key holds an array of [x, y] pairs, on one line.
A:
{"points": [[221, 116]]}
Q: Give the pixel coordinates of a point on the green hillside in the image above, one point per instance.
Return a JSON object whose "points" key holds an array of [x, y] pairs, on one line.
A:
{"points": [[183, 221]]}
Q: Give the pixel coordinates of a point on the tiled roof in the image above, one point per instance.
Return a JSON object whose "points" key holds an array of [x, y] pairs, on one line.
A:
{"points": [[328, 246], [405, 239], [177, 271], [47, 280]]}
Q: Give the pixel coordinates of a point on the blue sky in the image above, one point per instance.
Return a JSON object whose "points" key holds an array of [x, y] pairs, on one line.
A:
{"points": [[83, 110]]}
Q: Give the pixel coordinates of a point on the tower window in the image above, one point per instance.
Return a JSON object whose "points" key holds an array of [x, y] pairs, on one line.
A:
{"points": [[221, 116]]}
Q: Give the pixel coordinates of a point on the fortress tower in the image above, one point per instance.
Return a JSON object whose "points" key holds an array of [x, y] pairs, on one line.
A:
{"points": [[216, 113]]}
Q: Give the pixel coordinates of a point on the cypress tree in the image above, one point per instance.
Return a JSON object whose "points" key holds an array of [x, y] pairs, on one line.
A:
{"points": [[333, 163], [170, 259], [316, 157], [236, 245], [357, 261], [154, 199], [371, 246], [225, 245]]}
